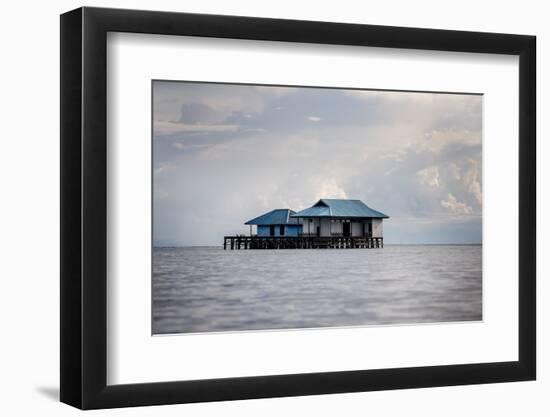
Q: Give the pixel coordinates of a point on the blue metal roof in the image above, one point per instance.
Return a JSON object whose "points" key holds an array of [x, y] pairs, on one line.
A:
{"points": [[327, 207], [276, 217]]}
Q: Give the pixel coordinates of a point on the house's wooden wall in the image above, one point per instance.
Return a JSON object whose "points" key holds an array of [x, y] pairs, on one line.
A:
{"points": [[328, 228], [290, 230], [377, 230]]}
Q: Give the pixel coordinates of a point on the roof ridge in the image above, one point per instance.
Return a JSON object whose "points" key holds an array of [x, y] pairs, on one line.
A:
{"points": [[340, 207], [340, 199], [274, 216]]}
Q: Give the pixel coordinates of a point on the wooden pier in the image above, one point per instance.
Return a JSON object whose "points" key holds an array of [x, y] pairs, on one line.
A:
{"points": [[301, 242]]}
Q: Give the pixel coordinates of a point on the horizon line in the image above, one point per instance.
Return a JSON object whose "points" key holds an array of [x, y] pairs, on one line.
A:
{"points": [[385, 244]]}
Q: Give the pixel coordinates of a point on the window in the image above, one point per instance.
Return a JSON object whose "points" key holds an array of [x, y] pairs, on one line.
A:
{"points": [[281, 230]]}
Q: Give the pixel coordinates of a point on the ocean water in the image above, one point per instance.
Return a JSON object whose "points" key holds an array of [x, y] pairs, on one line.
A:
{"points": [[207, 289]]}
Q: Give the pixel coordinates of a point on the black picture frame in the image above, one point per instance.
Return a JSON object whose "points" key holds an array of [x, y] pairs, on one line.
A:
{"points": [[84, 207]]}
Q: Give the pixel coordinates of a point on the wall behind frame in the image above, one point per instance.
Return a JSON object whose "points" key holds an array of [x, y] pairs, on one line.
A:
{"points": [[29, 175]]}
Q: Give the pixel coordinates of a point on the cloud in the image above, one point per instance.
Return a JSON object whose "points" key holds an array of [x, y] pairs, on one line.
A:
{"points": [[471, 179], [162, 168], [171, 128], [226, 153], [190, 146], [392, 96], [429, 176], [329, 188], [274, 91], [455, 206], [201, 113]]}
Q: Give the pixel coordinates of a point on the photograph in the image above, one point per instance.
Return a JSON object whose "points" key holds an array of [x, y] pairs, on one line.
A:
{"points": [[300, 210], [302, 207]]}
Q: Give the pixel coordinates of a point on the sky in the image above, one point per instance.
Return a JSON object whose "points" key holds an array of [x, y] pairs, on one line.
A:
{"points": [[226, 153]]}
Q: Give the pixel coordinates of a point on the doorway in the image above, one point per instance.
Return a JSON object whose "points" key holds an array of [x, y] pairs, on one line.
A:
{"points": [[271, 230], [346, 229]]}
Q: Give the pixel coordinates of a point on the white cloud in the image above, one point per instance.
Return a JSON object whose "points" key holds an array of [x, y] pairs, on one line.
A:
{"points": [[190, 146], [429, 176], [313, 118], [471, 179], [330, 189], [168, 128], [455, 170], [436, 140], [455, 206], [163, 167]]}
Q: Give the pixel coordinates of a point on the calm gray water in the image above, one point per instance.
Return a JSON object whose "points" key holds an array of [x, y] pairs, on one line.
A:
{"points": [[209, 289]]}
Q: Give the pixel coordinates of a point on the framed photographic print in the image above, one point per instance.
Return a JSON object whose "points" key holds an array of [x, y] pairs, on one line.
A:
{"points": [[258, 207]]}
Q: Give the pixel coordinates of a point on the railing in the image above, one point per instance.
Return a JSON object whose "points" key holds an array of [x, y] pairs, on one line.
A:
{"points": [[333, 234], [301, 242]]}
